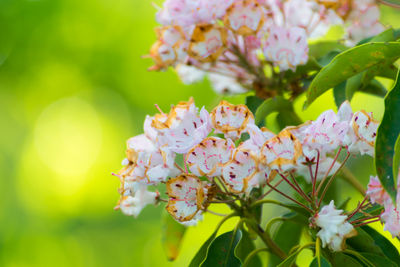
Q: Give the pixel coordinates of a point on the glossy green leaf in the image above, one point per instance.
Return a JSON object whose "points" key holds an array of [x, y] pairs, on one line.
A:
{"points": [[271, 105], [325, 60], [339, 93], [172, 234], [201, 255], [287, 118], [374, 88], [396, 158], [221, 251], [350, 63], [253, 102], [387, 247], [324, 263], [342, 260], [377, 260], [244, 248], [388, 132], [286, 237]]}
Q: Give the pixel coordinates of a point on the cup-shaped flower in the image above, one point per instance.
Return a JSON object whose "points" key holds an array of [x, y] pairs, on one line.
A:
{"points": [[231, 120], [208, 157], [133, 204], [186, 196]]}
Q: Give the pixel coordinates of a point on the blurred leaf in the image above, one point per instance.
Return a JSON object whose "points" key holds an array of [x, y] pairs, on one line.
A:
{"points": [[172, 234], [385, 36], [253, 102], [388, 132], [286, 237], [291, 259], [378, 260], [201, 255], [271, 105], [320, 49], [350, 63], [288, 118], [374, 88], [363, 242], [257, 210], [339, 93], [342, 260], [387, 247], [221, 251], [244, 248], [325, 60], [352, 85], [324, 263], [396, 158]]}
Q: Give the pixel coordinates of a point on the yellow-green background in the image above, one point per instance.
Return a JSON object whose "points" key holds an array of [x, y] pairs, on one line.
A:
{"points": [[73, 88]]}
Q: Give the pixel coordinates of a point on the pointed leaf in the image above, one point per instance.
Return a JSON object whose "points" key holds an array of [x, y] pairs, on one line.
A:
{"points": [[341, 260], [320, 49], [244, 248], [387, 247], [374, 88], [272, 105], [172, 235], [378, 260], [363, 242], [352, 85], [253, 102], [350, 63], [221, 251], [388, 132], [324, 263], [287, 118]]}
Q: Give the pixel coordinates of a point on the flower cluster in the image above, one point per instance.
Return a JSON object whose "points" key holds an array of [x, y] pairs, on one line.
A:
{"points": [[232, 41], [226, 155], [391, 215]]}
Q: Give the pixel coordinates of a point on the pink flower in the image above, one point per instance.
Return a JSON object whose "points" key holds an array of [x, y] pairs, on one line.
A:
{"points": [[376, 192], [286, 48], [391, 217]]}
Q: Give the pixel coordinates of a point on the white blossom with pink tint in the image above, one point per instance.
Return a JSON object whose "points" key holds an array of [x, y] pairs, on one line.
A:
{"points": [[334, 227], [286, 48], [133, 205], [391, 216], [375, 191], [189, 74], [208, 157], [225, 85]]}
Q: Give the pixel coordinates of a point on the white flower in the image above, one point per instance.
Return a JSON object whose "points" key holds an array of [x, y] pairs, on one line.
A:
{"points": [[334, 227], [133, 205], [286, 48], [189, 74], [223, 84], [376, 192], [207, 158]]}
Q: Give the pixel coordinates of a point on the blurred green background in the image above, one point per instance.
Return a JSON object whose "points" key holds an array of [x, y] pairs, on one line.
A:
{"points": [[73, 88]]}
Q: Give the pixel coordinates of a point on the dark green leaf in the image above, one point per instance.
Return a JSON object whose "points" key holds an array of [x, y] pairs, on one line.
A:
{"points": [[201, 255], [387, 247], [287, 118], [272, 105], [388, 132], [286, 237], [324, 263], [396, 158], [378, 260], [320, 49], [244, 248], [253, 102], [221, 250], [172, 234], [342, 260], [257, 211], [339, 93], [325, 60], [350, 63], [363, 242]]}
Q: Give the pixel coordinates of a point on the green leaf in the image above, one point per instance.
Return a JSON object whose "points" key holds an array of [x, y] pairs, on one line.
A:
{"points": [[320, 49], [201, 255], [291, 259], [387, 247], [388, 132], [374, 88], [342, 260], [385, 36], [244, 248], [372, 211], [377, 260], [172, 234], [392, 3], [272, 105], [363, 242], [324, 263], [339, 93], [352, 85], [286, 237], [221, 250], [253, 102], [287, 118], [350, 63], [396, 157]]}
